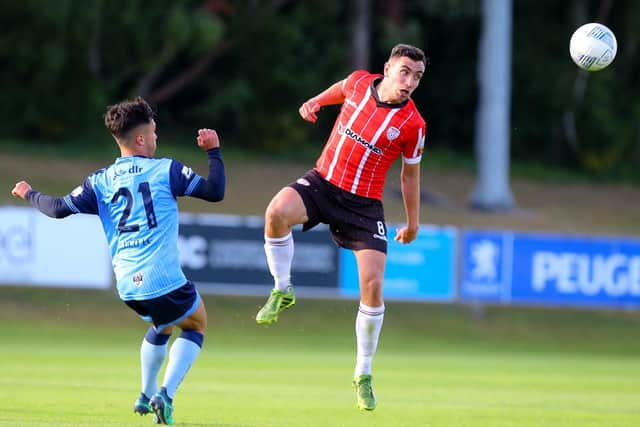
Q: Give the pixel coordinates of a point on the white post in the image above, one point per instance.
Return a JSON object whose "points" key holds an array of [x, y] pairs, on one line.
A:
{"points": [[492, 135]]}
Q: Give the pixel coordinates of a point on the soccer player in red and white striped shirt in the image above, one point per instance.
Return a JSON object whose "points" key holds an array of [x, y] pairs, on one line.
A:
{"points": [[378, 122]]}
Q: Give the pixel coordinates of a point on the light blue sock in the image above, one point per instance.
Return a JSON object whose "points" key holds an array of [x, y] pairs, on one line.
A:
{"points": [[152, 353], [183, 353]]}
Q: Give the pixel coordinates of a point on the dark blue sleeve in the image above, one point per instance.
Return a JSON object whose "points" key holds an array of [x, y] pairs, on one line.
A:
{"points": [[55, 207], [83, 199], [182, 179], [185, 182]]}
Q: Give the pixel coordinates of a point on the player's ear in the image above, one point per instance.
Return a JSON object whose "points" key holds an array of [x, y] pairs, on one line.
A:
{"points": [[386, 69]]}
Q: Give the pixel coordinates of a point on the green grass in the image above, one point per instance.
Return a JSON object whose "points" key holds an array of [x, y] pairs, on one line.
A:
{"points": [[70, 357]]}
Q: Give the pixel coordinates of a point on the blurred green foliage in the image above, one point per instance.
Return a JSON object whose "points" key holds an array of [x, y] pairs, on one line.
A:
{"points": [[245, 66]]}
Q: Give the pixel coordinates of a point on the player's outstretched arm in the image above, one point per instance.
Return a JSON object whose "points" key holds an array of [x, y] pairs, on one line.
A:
{"points": [[55, 207], [331, 96], [213, 188], [410, 185]]}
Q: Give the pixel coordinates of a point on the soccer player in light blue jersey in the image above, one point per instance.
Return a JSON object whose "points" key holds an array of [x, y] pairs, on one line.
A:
{"points": [[135, 199]]}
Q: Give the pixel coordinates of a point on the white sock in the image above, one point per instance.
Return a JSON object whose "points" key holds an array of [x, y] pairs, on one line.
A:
{"points": [[279, 251], [368, 326]]}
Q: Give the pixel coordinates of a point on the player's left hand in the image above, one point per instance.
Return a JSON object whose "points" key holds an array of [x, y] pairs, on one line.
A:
{"points": [[208, 139], [406, 235], [21, 189]]}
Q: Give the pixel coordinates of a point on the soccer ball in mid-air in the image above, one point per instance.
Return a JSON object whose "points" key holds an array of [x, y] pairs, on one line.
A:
{"points": [[593, 46]]}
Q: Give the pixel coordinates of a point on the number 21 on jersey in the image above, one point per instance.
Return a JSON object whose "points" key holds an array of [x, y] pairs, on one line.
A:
{"points": [[143, 189]]}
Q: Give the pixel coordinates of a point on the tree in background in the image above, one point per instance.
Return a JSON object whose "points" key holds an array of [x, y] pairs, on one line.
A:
{"points": [[47, 84], [69, 58], [564, 116], [246, 65]]}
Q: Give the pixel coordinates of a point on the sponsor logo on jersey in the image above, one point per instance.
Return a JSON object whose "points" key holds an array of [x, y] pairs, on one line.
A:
{"points": [[135, 243], [357, 138], [132, 169], [393, 133], [303, 181], [379, 237]]}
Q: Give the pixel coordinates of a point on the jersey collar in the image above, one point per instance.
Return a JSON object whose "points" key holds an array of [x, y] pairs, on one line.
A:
{"points": [[379, 103]]}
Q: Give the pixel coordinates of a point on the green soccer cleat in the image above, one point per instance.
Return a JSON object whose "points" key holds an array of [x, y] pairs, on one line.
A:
{"points": [[141, 406], [277, 302], [364, 393], [162, 408]]}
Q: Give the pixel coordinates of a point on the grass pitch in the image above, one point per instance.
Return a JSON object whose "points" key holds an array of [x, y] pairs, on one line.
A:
{"points": [[70, 358]]}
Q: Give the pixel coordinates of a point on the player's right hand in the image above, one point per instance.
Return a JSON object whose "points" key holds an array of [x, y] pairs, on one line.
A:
{"points": [[208, 139], [309, 109], [21, 189]]}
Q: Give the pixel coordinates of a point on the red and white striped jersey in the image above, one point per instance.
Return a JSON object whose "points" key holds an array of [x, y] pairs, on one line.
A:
{"points": [[368, 136]]}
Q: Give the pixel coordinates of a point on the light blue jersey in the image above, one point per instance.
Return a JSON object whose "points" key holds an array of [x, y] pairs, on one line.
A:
{"points": [[136, 201]]}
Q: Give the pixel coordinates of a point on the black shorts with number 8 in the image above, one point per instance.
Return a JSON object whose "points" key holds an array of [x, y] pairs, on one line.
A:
{"points": [[355, 222]]}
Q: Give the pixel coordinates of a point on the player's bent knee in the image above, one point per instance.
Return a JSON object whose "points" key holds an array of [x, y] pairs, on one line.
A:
{"points": [[278, 219], [276, 213], [286, 208], [197, 321], [190, 324]]}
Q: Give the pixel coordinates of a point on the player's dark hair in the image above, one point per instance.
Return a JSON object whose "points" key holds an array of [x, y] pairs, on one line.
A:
{"points": [[411, 52], [124, 116]]}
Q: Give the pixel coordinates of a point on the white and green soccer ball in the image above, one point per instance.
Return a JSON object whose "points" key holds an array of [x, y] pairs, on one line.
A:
{"points": [[593, 47]]}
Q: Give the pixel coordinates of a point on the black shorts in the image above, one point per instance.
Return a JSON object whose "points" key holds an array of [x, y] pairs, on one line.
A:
{"points": [[168, 309], [355, 222]]}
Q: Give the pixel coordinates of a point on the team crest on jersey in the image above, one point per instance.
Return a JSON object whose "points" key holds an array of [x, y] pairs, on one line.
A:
{"points": [[393, 133], [137, 279]]}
